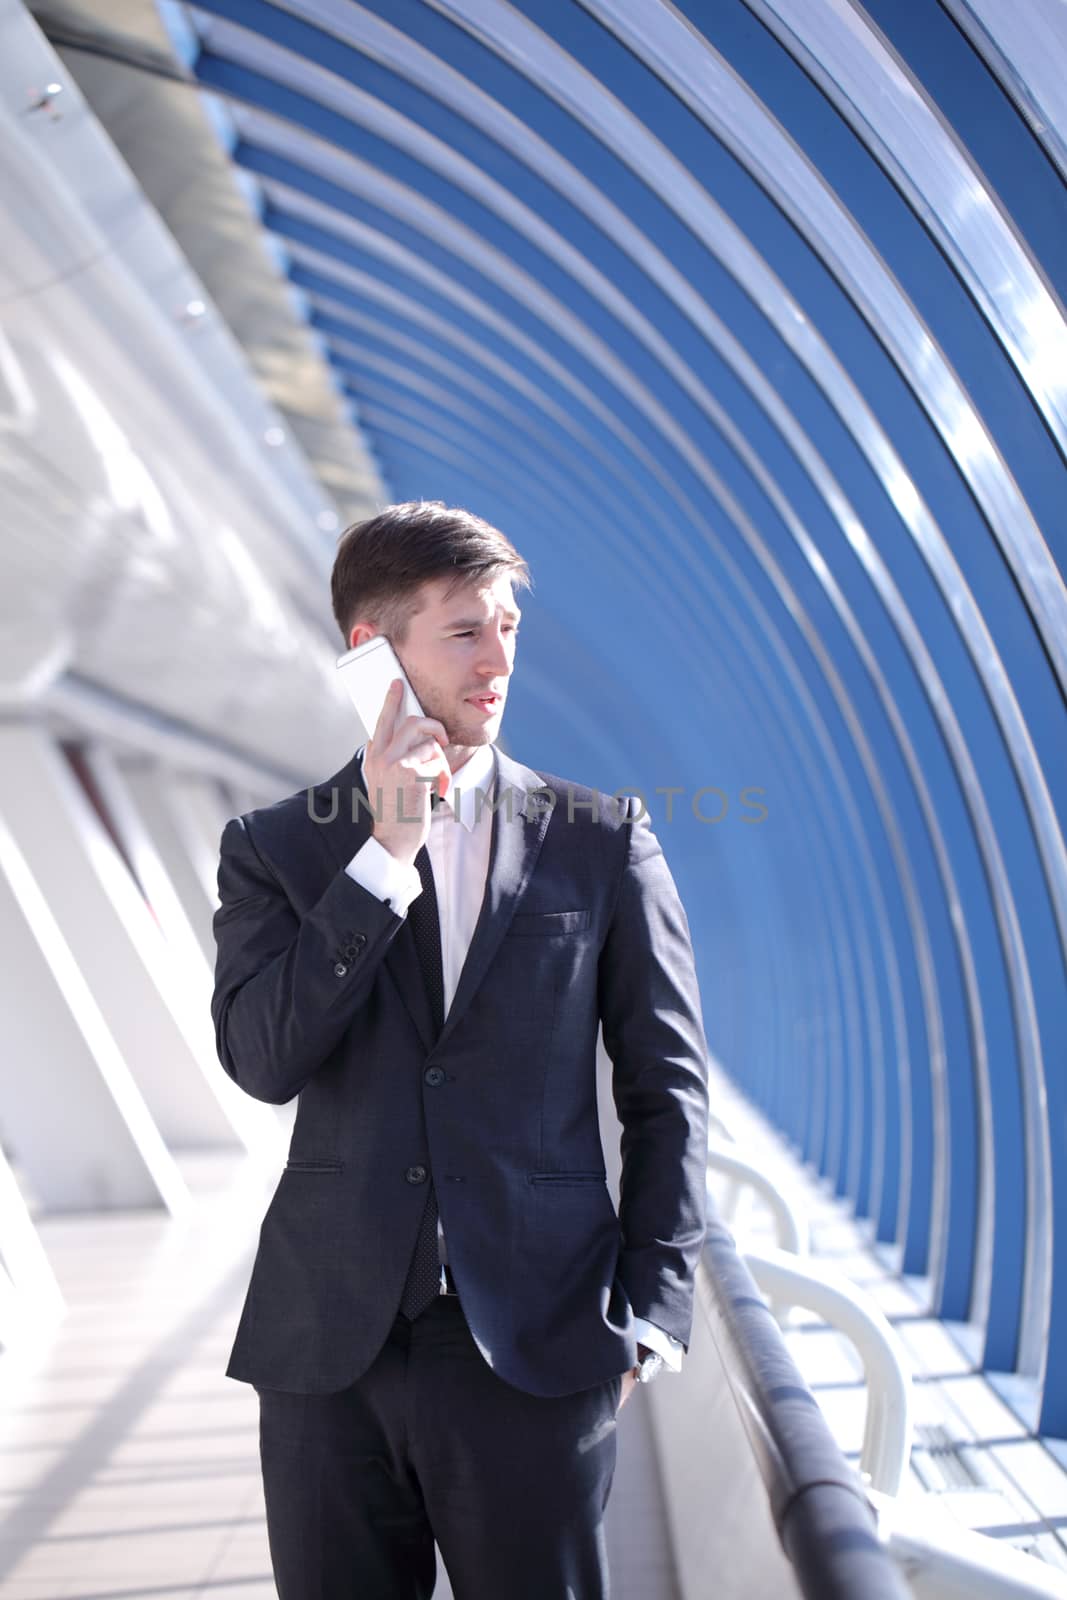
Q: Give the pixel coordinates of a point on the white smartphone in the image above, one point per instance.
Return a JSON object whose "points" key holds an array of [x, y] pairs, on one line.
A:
{"points": [[367, 673]]}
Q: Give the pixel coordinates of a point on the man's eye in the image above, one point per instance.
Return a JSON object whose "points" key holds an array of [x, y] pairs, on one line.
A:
{"points": [[469, 634]]}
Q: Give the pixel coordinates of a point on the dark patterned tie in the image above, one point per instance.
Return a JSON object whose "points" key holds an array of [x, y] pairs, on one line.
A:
{"points": [[424, 1274]]}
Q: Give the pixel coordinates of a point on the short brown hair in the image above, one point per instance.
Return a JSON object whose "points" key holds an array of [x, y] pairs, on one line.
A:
{"points": [[382, 563]]}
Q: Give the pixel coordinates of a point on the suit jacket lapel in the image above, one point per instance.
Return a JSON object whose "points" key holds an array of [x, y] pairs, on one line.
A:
{"points": [[519, 825], [519, 822]]}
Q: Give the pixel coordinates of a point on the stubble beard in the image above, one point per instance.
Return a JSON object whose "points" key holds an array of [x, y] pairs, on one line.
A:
{"points": [[461, 734]]}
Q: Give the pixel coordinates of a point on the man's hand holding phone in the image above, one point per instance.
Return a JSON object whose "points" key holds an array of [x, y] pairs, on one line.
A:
{"points": [[399, 758]]}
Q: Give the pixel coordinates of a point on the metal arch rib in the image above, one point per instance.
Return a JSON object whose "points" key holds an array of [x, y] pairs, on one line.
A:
{"points": [[907, 135], [1023, 47], [693, 71]]}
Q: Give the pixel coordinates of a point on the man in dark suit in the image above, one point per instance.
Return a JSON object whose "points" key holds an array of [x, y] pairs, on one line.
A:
{"points": [[445, 1312]]}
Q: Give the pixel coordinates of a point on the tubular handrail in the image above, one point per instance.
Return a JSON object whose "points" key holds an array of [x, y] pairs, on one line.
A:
{"points": [[887, 1426], [825, 1522], [791, 1226]]}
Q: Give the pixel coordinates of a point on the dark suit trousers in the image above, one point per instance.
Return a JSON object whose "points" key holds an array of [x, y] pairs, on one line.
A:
{"points": [[430, 1444]]}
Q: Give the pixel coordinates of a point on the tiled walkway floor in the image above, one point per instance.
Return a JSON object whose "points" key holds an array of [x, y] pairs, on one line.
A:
{"points": [[129, 1463]]}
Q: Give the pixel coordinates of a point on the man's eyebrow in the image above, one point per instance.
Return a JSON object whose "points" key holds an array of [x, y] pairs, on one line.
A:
{"points": [[478, 622]]}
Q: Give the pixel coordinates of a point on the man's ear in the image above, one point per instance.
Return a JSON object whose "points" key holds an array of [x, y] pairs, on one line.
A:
{"points": [[360, 632]]}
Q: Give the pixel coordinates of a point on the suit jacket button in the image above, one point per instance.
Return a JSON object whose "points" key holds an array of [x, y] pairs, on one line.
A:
{"points": [[340, 970], [416, 1174], [434, 1076]]}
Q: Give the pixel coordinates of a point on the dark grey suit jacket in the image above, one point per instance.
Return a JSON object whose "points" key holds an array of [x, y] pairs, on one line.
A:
{"points": [[319, 993]]}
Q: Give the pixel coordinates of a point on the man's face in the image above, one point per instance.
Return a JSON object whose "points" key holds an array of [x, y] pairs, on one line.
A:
{"points": [[459, 649]]}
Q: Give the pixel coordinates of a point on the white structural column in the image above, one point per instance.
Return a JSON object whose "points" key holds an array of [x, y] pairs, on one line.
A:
{"points": [[72, 1120], [137, 789], [243, 799], [154, 1010], [135, 794], [199, 810]]}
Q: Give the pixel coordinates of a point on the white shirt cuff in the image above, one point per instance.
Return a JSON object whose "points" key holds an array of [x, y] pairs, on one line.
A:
{"points": [[664, 1344], [378, 870]]}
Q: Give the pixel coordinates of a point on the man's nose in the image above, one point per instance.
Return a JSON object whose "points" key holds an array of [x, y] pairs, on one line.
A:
{"points": [[495, 657]]}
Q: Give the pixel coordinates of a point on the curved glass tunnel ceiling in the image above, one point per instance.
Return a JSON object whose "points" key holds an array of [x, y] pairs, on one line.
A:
{"points": [[746, 323]]}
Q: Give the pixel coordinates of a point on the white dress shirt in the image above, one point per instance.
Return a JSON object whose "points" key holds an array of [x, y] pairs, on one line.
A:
{"points": [[458, 847]]}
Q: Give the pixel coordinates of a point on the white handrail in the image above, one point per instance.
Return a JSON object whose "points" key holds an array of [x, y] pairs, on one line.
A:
{"points": [[887, 1426], [718, 1129], [943, 1561], [791, 1226]]}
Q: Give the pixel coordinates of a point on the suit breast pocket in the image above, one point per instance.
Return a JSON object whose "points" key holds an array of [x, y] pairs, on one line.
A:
{"points": [[546, 923]]}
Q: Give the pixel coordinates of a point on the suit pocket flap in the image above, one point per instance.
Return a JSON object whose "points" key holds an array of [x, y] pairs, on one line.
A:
{"points": [[568, 1177]]}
